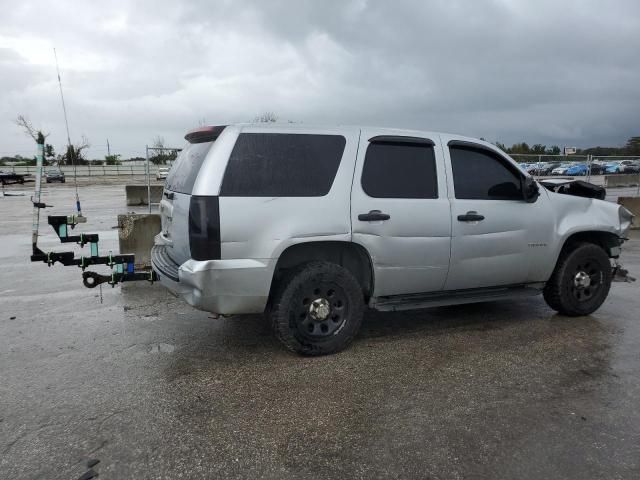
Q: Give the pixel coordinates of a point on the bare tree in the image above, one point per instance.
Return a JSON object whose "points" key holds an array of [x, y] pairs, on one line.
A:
{"points": [[74, 155], [157, 142], [26, 125], [265, 117], [161, 154]]}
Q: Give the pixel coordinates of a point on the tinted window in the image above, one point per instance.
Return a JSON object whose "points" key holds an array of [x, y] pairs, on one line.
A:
{"points": [[282, 165], [185, 168], [481, 175], [400, 170]]}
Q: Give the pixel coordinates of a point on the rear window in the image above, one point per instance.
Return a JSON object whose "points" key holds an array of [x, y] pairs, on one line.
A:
{"points": [[185, 168], [282, 165]]}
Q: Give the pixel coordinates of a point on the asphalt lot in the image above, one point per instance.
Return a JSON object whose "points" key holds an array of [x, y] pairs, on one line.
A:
{"points": [[155, 389]]}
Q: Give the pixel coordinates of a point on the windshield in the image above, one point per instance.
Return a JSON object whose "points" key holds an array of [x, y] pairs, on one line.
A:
{"points": [[185, 169]]}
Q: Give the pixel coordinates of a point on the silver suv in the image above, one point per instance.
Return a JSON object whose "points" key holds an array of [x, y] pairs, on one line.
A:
{"points": [[311, 225]]}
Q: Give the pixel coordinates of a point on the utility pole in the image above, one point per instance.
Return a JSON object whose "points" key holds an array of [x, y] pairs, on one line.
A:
{"points": [[108, 149]]}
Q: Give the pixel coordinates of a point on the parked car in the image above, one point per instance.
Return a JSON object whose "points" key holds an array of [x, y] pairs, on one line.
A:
{"points": [[613, 167], [55, 175], [312, 225], [162, 173], [632, 167], [617, 166], [597, 168], [536, 168], [548, 167], [7, 178], [562, 169], [579, 169]]}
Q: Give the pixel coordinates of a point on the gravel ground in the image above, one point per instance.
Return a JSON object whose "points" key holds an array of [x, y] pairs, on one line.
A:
{"points": [[155, 389]]}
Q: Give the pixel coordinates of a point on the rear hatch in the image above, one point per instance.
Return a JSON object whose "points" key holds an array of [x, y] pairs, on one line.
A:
{"points": [[176, 198]]}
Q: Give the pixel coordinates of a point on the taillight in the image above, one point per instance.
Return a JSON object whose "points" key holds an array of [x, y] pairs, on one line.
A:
{"points": [[204, 228]]}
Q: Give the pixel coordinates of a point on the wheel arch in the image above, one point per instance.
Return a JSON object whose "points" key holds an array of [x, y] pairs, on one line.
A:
{"points": [[608, 241], [352, 256]]}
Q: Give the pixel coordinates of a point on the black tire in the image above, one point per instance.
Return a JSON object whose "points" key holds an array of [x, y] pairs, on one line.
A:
{"points": [[301, 301], [568, 291]]}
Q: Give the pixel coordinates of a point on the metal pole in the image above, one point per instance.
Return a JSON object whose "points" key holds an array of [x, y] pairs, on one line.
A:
{"points": [[148, 179], [36, 197], [589, 160]]}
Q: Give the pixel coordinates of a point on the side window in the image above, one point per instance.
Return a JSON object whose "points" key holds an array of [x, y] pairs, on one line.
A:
{"points": [[282, 165], [400, 170], [481, 175]]}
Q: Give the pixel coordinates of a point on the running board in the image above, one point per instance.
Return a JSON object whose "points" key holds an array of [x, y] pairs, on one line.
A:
{"points": [[454, 297]]}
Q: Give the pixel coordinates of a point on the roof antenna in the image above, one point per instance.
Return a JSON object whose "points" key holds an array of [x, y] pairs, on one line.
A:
{"points": [[81, 218]]}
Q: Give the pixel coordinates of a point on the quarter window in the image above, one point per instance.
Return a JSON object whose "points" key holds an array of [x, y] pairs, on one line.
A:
{"points": [[480, 175], [282, 165], [184, 170], [400, 170]]}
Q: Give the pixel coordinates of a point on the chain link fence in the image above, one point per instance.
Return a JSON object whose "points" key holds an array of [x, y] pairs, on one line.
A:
{"points": [[619, 174], [91, 170]]}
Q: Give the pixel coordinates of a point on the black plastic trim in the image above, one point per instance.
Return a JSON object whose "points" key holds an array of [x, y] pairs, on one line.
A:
{"points": [[163, 263], [478, 146], [401, 139]]}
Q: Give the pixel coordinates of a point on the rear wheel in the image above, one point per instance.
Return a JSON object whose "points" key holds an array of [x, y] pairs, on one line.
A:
{"points": [[317, 309], [580, 282]]}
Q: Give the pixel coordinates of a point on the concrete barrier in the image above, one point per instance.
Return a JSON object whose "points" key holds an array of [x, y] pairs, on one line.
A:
{"points": [[622, 180], [137, 194], [633, 205], [135, 235]]}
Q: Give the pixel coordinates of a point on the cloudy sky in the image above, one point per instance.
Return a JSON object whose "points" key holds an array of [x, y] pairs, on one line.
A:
{"points": [[563, 72]]}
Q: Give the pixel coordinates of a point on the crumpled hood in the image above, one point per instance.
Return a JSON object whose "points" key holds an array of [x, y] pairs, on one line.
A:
{"points": [[573, 213]]}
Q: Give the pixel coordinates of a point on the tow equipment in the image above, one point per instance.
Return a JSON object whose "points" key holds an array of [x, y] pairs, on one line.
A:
{"points": [[122, 266]]}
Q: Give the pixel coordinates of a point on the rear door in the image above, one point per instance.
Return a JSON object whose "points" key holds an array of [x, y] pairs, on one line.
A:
{"points": [[400, 211]]}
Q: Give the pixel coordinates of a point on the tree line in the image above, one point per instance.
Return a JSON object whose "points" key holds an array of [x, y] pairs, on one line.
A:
{"points": [[630, 148]]}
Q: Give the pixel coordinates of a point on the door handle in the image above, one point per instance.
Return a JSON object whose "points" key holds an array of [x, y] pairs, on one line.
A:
{"points": [[471, 216], [373, 216]]}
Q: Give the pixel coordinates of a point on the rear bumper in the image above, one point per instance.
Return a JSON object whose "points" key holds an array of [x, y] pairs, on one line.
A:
{"points": [[227, 287]]}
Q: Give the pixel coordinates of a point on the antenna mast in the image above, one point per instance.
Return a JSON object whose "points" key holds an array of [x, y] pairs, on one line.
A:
{"points": [[64, 107], [69, 146]]}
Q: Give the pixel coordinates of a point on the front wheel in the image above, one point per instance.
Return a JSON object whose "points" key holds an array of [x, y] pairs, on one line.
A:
{"points": [[317, 309], [580, 282]]}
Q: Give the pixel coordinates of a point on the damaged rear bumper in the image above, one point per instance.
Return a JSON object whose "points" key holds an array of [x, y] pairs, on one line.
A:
{"points": [[227, 287]]}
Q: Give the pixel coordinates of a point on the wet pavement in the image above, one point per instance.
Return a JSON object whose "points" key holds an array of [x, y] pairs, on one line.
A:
{"points": [[155, 389]]}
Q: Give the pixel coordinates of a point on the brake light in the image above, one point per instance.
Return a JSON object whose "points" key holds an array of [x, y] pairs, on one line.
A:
{"points": [[204, 134], [204, 228]]}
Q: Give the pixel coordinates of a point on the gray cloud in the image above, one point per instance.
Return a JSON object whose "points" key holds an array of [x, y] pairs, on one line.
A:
{"points": [[552, 72]]}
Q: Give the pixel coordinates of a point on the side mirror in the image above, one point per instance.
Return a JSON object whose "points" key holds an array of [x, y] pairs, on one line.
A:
{"points": [[530, 190]]}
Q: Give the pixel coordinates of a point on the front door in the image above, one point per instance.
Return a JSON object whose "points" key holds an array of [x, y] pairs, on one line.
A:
{"points": [[400, 211], [494, 230]]}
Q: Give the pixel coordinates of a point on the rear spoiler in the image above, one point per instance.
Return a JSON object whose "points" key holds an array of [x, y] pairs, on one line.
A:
{"points": [[204, 134]]}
